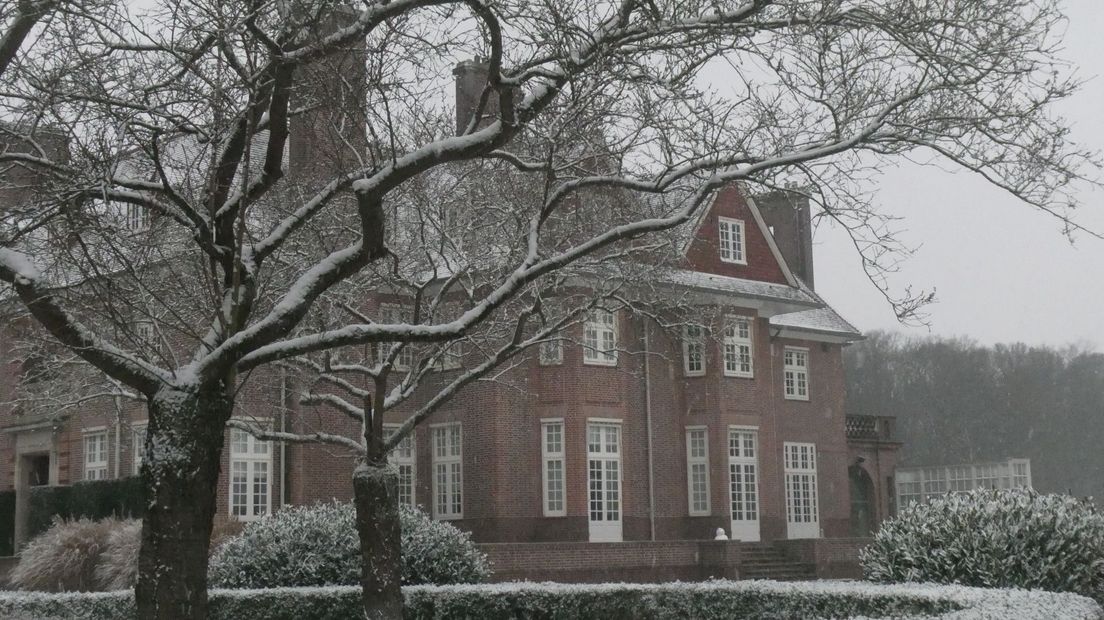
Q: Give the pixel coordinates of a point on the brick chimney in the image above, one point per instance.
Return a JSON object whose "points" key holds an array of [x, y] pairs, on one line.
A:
{"points": [[788, 216], [333, 91], [471, 79]]}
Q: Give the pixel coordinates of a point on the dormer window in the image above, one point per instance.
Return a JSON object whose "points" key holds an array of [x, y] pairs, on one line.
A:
{"points": [[731, 240]]}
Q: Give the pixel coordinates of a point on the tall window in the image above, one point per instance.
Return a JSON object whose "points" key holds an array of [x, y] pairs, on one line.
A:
{"points": [[403, 458], [697, 471], [1021, 474], [795, 373], [552, 452], [395, 314], [448, 472], [137, 217], [693, 350], [95, 456], [147, 338], [802, 513], [551, 352], [731, 241], [250, 478], [138, 445], [600, 338], [737, 348]]}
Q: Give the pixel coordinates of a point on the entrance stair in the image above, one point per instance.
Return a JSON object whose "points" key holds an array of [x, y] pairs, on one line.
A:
{"points": [[765, 561]]}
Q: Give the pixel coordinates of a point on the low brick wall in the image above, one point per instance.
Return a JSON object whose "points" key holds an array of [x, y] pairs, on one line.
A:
{"points": [[645, 562], [835, 558], [595, 562]]}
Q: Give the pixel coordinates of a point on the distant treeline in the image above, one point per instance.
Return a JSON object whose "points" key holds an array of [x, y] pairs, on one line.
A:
{"points": [[960, 402]]}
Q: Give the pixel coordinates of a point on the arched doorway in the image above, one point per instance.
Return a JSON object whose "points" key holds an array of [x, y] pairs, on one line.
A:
{"points": [[862, 501]]}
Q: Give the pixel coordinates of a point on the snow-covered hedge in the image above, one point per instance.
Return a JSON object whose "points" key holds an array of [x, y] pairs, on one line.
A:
{"points": [[714, 599], [993, 538], [318, 546]]}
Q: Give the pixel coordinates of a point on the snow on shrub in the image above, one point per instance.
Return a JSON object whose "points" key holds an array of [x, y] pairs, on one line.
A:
{"points": [[118, 565], [64, 557], [318, 546], [714, 599], [993, 538], [436, 552]]}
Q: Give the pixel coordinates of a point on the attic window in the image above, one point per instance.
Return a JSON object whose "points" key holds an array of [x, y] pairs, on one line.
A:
{"points": [[731, 240]]}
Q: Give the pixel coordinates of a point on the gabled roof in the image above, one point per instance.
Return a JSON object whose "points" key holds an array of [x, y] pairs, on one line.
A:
{"points": [[797, 311]]}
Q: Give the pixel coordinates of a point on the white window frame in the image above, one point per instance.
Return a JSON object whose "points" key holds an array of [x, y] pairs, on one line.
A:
{"points": [[794, 375], [605, 480], [405, 454], [95, 457], [255, 456], [553, 500], [1021, 478], [448, 459], [600, 338], [138, 444], [138, 217], [391, 313], [731, 240], [699, 459], [736, 346], [146, 336], [550, 352], [693, 350], [449, 358], [799, 468]]}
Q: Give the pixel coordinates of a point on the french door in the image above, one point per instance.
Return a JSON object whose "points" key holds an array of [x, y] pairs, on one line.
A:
{"points": [[743, 483], [802, 509], [604, 481]]}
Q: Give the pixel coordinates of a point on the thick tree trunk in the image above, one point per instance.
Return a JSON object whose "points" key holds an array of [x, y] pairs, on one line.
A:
{"points": [[376, 495], [181, 470]]}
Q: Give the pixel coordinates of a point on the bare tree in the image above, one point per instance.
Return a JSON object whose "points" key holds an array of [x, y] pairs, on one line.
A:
{"points": [[193, 116]]}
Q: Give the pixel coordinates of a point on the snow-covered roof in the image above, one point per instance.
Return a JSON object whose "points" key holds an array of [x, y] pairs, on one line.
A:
{"points": [[754, 289], [822, 320]]}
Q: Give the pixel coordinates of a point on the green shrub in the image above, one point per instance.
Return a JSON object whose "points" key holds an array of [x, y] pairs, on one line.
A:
{"points": [[434, 552], [318, 546], [716, 599], [7, 522], [124, 497], [993, 538]]}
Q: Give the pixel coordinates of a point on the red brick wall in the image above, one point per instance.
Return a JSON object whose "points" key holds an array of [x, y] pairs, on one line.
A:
{"points": [[501, 435], [702, 255], [835, 558]]}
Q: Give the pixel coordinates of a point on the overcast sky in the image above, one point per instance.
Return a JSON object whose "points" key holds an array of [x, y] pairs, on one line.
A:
{"points": [[1002, 272]]}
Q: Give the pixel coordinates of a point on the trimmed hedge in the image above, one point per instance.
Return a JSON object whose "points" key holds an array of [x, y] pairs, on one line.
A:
{"points": [[125, 497], [7, 522], [715, 599]]}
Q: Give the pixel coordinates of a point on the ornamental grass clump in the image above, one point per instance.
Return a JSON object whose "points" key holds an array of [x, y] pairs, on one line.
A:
{"points": [[64, 557], [993, 538], [318, 546]]}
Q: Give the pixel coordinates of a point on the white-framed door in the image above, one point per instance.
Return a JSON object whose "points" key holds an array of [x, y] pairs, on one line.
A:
{"points": [[604, 481], [802, 505], [743, 483]]}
